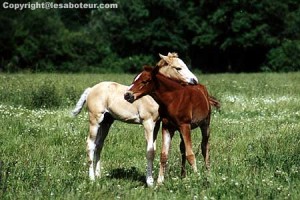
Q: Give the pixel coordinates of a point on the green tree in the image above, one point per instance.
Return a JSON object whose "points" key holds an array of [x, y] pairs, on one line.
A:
{"points": [[139, 30], [214, 36], [242, 32]]}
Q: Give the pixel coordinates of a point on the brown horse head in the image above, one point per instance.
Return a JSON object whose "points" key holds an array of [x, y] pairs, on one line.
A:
{"points": [[173, 67], [141, 85]]}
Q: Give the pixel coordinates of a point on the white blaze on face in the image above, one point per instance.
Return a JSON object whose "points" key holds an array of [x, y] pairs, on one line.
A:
{"points": [[136, 78], [129, 88], [185, 72]]}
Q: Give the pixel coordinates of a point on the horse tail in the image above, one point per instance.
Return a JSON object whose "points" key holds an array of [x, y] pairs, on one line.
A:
{"points": [[81, 102], [214, 102]]}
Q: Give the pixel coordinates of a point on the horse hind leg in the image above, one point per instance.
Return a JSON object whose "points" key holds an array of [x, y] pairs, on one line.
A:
{"points": [[101, 135], [205, 144], [94, 142], [183, 157], [167, 136], [155, 133], [91, 146]]}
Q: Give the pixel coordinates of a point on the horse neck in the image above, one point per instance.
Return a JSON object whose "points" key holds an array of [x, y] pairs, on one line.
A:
{"points": [[166, 84], [164, 87]]}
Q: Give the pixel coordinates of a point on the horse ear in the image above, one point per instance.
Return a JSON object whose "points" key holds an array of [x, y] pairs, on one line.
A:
{"points": [[165, 58], [173, 55], [148, 68], [161, 56]]}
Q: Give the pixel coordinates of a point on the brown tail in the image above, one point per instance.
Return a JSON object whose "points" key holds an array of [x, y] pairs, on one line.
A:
{"points": [[214, 102]]}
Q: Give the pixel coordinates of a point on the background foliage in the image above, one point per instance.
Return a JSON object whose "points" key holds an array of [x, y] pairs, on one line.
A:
{"points": [[212, 36]]}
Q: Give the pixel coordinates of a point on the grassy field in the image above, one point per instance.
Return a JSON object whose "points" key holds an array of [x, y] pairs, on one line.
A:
{"points": [[255, 142]]}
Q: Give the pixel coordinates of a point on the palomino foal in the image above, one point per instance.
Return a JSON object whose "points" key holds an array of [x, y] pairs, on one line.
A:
{"points": [[181, 107], [105, 103]]}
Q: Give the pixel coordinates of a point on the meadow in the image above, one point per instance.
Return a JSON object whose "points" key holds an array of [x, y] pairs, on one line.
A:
{"points": [[255, 142]]}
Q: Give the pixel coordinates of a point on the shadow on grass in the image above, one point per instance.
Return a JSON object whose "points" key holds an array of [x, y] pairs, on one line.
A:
{"points": [[127, 174]]}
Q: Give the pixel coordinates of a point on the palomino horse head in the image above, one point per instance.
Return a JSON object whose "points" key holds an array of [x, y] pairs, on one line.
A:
{"points": [[142, 84], [173, 67]]}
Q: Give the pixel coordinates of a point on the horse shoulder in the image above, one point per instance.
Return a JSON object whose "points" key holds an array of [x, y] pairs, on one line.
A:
{"points": [[175, 106], [147, 107]]}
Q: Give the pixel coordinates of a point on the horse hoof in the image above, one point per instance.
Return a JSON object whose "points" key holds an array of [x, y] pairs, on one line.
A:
{"points": [[160, 180], [150, 182]]}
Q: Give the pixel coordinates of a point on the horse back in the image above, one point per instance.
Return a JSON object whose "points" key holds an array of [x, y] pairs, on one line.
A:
{"points": [[108, 97]]}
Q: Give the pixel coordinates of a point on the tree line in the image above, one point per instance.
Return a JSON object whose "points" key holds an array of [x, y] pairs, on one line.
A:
{"points": [[210, 36]]}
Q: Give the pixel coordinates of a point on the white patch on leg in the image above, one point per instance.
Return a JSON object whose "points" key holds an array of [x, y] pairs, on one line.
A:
{"points": [[150, 158], [98, 169], [166, 147], [195, 167], [167, 141], [150, 181], [160, 179], [91, 173], [149, 127], [91, 151]]}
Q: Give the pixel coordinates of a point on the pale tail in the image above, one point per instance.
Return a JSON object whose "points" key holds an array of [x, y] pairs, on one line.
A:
{"points": [[81, 102]]}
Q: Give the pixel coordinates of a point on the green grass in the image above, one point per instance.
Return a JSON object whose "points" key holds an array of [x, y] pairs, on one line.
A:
{"points": [[255, 142]]}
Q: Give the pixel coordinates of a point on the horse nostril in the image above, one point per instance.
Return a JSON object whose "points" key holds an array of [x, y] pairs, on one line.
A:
{"points": [[129, 97], [126, 96], [194, 81]]}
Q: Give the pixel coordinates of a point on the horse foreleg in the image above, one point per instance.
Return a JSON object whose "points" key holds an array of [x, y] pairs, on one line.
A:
{"points": [[185, 131], [205, 144], [150, 137], [166, 142]]}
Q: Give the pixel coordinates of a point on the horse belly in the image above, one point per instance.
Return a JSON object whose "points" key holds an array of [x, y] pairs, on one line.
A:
{"points": [[128, 114]]}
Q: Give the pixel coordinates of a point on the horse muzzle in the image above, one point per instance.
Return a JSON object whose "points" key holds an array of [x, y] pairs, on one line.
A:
{"points": [[128, 96], [193, 81]]}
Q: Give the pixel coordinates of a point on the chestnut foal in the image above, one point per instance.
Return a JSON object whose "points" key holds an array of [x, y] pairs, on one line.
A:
{"points": [[105, 104], [181, 107]]}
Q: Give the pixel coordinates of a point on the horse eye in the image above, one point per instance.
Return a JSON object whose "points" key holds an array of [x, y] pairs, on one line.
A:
{"points": [[178, 68], [144, 82]]}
